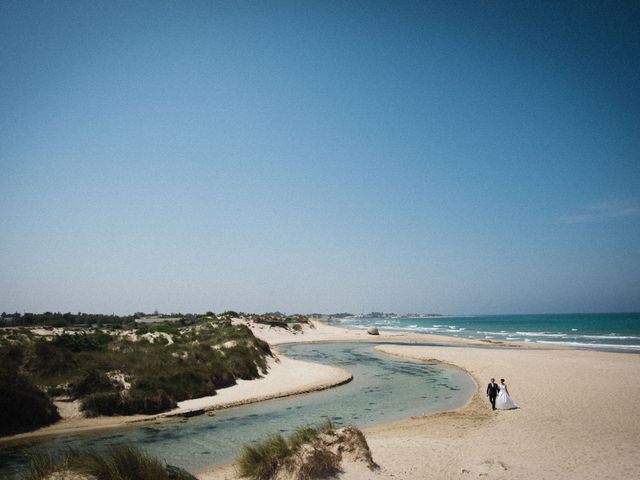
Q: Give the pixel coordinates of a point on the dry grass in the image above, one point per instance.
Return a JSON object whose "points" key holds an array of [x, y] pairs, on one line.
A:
{"points": [[119, 463], [309, 453]]}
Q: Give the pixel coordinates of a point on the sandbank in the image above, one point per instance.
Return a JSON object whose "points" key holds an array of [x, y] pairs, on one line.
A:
{"points": [[579, 414], [579, 417]]}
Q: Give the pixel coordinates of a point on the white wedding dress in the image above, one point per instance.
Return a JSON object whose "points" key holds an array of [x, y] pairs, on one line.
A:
{"points": [[504, 402]]}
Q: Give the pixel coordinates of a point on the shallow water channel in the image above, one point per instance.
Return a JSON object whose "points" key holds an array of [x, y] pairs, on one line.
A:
{"points": [[383, 389]]}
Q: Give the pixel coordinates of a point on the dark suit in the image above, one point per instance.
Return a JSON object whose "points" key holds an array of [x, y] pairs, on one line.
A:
{"points": [[492, 392]]}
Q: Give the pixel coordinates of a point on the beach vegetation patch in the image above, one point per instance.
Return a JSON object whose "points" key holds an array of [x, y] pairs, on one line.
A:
{"points": [[308, 453], [118, 463], [93, 381], [136, 364], [23, 406]]}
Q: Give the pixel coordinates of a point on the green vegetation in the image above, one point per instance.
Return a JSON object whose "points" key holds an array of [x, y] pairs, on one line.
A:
{"points": [[138, 368], [119, 463], [58, 319], [280, 320], [264, 459], [23, 406]]}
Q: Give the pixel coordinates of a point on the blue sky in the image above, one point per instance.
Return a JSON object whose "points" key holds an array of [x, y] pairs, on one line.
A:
{"points": [[453, 157]]}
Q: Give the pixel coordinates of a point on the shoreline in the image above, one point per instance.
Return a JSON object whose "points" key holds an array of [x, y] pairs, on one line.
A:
{"points": [[558, 432], [282, 371], [474, 441], [243, 393], [502, 444]]}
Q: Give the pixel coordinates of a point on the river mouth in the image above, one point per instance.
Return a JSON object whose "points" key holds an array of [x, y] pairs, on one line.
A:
{"points": [[383, 389]]}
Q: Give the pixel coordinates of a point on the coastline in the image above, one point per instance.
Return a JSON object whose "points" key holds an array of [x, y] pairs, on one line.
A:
{"points": [[308, 377], [286, 377], [561, 429]]}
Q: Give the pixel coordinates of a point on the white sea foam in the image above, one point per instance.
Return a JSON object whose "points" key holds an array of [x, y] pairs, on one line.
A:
{"points": [[593, 345], [542, 334], [608, 337]]}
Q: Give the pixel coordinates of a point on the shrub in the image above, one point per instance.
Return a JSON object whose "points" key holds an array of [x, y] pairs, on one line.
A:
{"points": [[82, 342], [170, 329], [93, 381], [147, 402], [49, 360], [11, 358], [137, 401], [23, 406], [103, 403]]}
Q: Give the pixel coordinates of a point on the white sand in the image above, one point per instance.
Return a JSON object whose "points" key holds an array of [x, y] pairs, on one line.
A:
{"points": [[579, 418], [286, 377]]}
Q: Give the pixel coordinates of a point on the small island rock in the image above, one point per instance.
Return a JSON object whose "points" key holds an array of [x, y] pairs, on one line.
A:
{"points": [[373, 331]]}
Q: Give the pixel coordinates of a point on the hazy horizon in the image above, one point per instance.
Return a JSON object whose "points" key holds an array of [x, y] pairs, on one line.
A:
{"points": [[456, 158]]}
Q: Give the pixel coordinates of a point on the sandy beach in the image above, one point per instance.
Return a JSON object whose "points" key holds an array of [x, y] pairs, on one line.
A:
{"points": [[578, 417], [285, 377]]}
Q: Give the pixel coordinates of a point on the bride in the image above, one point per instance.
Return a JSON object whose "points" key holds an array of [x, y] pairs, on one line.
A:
{"points": [[504, 402]]}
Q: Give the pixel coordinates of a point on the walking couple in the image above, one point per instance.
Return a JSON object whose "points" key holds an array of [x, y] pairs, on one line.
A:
{"points": [[499, 395]]}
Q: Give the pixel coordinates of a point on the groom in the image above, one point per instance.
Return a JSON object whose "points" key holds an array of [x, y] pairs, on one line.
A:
{"points": [[492, 392]]}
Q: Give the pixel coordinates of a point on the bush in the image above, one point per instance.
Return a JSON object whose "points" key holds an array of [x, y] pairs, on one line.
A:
{"points": [[50, 360], [181, 386], [137, 401], [82, 342], [93, 381], [11, 358], [169, 329], [102, 403], [23, 406]]}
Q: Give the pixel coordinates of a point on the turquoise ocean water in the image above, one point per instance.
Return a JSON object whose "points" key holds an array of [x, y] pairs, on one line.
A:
{"points": [[602, 331]]}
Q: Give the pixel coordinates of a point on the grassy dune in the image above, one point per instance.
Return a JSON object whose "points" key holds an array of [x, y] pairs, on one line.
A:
{"points": [[122, 370]]}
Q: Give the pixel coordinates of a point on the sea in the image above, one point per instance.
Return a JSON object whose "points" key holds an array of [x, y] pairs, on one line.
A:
{"points": [[600, 331]]}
